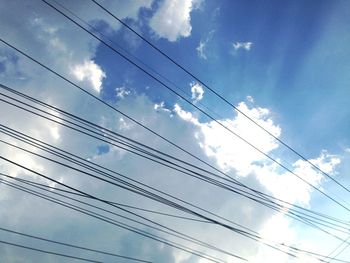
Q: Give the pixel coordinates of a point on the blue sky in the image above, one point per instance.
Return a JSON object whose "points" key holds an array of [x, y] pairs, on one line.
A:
{"points": [[296, 65], [283, 63]]}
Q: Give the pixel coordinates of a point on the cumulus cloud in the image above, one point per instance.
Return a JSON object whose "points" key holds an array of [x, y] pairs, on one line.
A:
{"points": [[197, 92], [91, 72], [172, 20], [288, 187], [217, 142], [231, 152], [242, 45]]}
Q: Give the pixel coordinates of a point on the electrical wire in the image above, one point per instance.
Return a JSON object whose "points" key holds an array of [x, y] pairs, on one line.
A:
{"points": [[113, 222], [244, 233], [72, 246], [196, 107], [219, 95], [48, 252], [63, 119]]}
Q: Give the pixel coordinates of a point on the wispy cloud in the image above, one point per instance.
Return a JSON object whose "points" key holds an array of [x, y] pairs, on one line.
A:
{"points": [[200, 49], [242, 45]]}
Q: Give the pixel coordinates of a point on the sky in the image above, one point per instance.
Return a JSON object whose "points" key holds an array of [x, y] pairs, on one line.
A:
{"points": [[284, 64]]}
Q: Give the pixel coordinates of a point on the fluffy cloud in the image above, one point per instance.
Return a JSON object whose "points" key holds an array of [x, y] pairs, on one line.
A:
{"points": [[290, 188], [197, 92], [91, 72], [172, 20], [217, 142], [231, 152]]}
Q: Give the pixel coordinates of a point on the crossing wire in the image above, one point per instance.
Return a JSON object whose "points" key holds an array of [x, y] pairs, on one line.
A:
{"points": [[48, 252], [316, 255], [113, 222], [244, 233], [107, 131], [304, 219], [173, 233], [103, 102], [274, 208], [72, 246], [219, 95], [199, 109]]}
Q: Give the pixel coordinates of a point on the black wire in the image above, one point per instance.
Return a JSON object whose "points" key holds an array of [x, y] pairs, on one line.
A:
{"points": [[219, 95], [116, 203], [112, 221], [80, 126], [244, 233], [48, 252], [88, 167], [105, 130], [296, 249], [340, 251], [57, 74], [133, 56], [302, 218], [108, 220], [175, 233], [135, 181], [73, 246], [195, 106]]}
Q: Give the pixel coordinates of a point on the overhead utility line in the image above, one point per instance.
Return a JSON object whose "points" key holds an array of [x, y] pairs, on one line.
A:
{"points": [[219, 95], [182, 97]]}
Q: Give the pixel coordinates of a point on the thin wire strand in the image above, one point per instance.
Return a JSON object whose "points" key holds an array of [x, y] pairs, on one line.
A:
{"points": [[195, 106], [72, 246], [221, 96]]}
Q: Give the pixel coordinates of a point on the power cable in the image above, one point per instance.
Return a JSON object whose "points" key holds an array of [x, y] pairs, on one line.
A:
{"points": [[80, 120], [249, 235], [48, 252], [73, 246], [174, 233], [195, 106], [103, 218], [265, 204], [219, 95], [113, 222]]}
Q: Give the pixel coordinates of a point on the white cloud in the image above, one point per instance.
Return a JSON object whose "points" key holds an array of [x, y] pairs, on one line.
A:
{"points": [[197, 92], [187, 116], [217, 142], [161, 107], [290, 188], [91, 72], [250, 99], [172, 20], [242, 45], [231, 152], [121, 92], [200, 49]]}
